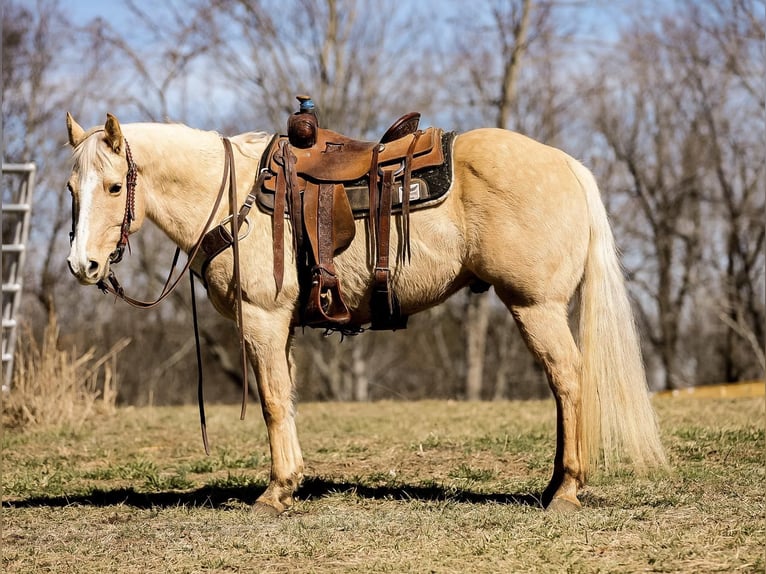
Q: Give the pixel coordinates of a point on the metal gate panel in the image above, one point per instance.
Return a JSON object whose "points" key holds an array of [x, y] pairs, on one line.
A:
{"points": [[18, 187]]}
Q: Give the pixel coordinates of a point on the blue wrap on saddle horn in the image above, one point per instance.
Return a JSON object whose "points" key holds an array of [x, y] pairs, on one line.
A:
{"points": [[322, 181]]}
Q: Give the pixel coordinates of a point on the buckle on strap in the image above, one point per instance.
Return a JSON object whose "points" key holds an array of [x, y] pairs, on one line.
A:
{"points": [[115, 288]]}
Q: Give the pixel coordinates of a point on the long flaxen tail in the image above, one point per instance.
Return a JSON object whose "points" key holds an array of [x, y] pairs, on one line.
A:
{"points": [[617, 419]]}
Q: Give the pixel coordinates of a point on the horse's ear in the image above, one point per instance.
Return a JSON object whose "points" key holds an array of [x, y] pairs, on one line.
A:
{"points": [[113, 133], [76, 133]]}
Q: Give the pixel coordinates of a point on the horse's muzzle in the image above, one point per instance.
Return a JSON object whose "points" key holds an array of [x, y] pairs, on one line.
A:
{"points": [[90, 273]]}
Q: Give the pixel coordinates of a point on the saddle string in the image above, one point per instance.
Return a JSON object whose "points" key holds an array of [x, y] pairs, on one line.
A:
{"points": [[374, 194], [406, 250]]}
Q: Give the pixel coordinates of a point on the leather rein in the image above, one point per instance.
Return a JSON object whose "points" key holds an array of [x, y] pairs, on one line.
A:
{"points": [[234, 219]]}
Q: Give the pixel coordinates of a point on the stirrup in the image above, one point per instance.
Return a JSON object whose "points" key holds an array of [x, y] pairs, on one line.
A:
{"points": [[325, 306]]}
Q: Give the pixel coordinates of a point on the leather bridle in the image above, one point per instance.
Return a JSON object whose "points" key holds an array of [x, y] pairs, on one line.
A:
{"points": [[113, 286], [128, 217], [130, 207], [235, 220]]}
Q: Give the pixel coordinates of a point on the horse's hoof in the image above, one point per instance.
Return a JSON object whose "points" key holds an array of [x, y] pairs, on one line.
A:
{"points": [[265, 510], [563, 505]]}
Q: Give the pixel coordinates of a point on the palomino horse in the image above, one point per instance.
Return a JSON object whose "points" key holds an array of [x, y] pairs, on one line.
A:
{"points": [[521, 216]]}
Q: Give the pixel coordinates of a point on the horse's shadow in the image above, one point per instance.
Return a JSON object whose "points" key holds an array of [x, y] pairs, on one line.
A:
{"points": [[223, 497]]}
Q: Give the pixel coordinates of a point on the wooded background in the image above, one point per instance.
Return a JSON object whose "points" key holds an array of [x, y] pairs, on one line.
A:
{"points": [[663, 100]]}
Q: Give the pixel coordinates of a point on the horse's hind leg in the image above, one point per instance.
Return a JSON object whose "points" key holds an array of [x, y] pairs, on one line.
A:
{"points": [[267, 337], [545, 329]]}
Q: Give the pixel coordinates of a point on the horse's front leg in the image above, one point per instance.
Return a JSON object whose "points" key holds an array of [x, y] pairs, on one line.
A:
{"points": [[268, 340]]}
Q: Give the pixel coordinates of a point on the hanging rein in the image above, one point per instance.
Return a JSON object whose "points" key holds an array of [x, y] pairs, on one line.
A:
{"points": [[220, 237]]}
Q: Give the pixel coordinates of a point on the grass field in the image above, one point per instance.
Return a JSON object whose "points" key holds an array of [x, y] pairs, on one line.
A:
{"points": [[391, 487]]}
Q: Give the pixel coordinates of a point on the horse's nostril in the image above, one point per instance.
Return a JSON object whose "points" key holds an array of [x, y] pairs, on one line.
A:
{"points": [[92, 267]]}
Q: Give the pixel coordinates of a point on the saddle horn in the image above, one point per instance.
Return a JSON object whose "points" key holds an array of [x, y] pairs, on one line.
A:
{"points": [[302, 126]]}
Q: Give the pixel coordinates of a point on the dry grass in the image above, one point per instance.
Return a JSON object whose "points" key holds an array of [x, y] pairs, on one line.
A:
{"points": [[392, 487], [54, 387]]}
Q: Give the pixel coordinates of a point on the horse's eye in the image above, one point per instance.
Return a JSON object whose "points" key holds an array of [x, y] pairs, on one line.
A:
{"points": [[115, 189]]}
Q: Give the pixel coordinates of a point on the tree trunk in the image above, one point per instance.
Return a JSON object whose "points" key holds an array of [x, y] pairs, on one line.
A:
{"points": [[476, 322], [503, 340], [360, 373]]}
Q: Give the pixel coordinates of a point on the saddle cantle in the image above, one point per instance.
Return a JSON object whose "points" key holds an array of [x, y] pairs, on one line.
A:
{"points": [[322, 180]]}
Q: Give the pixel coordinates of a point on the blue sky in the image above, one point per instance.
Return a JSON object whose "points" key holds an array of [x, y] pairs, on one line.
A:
{"points": [[89, 9]]}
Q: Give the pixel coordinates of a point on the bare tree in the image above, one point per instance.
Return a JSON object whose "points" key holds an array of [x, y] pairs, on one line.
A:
{"points": [[354, 58], [48, 67], [30, 97], [692, 174], [677, 107], [508, 25], [725, 63], [661, 187]]}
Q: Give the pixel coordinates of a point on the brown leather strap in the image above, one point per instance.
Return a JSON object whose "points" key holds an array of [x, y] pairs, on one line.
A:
{"points": [[287, 193], [237, 273], [374, 195], [383, 237], [295, 205], [384, 220], [325, 305], [200, 385], [278, 225], [219, 239], [406, 181], [229, 177]]}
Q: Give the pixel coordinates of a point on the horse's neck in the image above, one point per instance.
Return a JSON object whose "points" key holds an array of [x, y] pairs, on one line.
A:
{"points": [[180, 172]]}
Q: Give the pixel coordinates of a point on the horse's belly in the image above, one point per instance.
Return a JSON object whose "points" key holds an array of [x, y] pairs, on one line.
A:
{"points": [[433, 272]]}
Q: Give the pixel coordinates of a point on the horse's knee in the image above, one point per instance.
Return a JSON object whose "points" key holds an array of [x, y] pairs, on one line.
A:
{"points": [[275, 411]]}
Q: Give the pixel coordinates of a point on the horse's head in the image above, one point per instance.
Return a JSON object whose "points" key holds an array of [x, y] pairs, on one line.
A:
{"points": [[103, 211]]}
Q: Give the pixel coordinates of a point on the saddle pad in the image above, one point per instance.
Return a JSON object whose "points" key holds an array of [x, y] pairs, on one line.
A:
{"points": [[428, 186]]}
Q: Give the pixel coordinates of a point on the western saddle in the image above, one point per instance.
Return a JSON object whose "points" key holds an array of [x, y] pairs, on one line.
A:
{"points": [[307, 172]]}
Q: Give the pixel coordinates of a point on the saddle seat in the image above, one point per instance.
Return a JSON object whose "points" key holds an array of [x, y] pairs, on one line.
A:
{"points": [[341, 159]]}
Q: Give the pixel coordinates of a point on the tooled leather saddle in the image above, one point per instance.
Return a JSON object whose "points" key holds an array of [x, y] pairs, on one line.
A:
{"points": [[322, 181]]}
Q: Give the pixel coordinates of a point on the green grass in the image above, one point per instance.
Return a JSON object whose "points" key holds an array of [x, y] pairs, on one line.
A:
{"points": [[391, 487]]}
